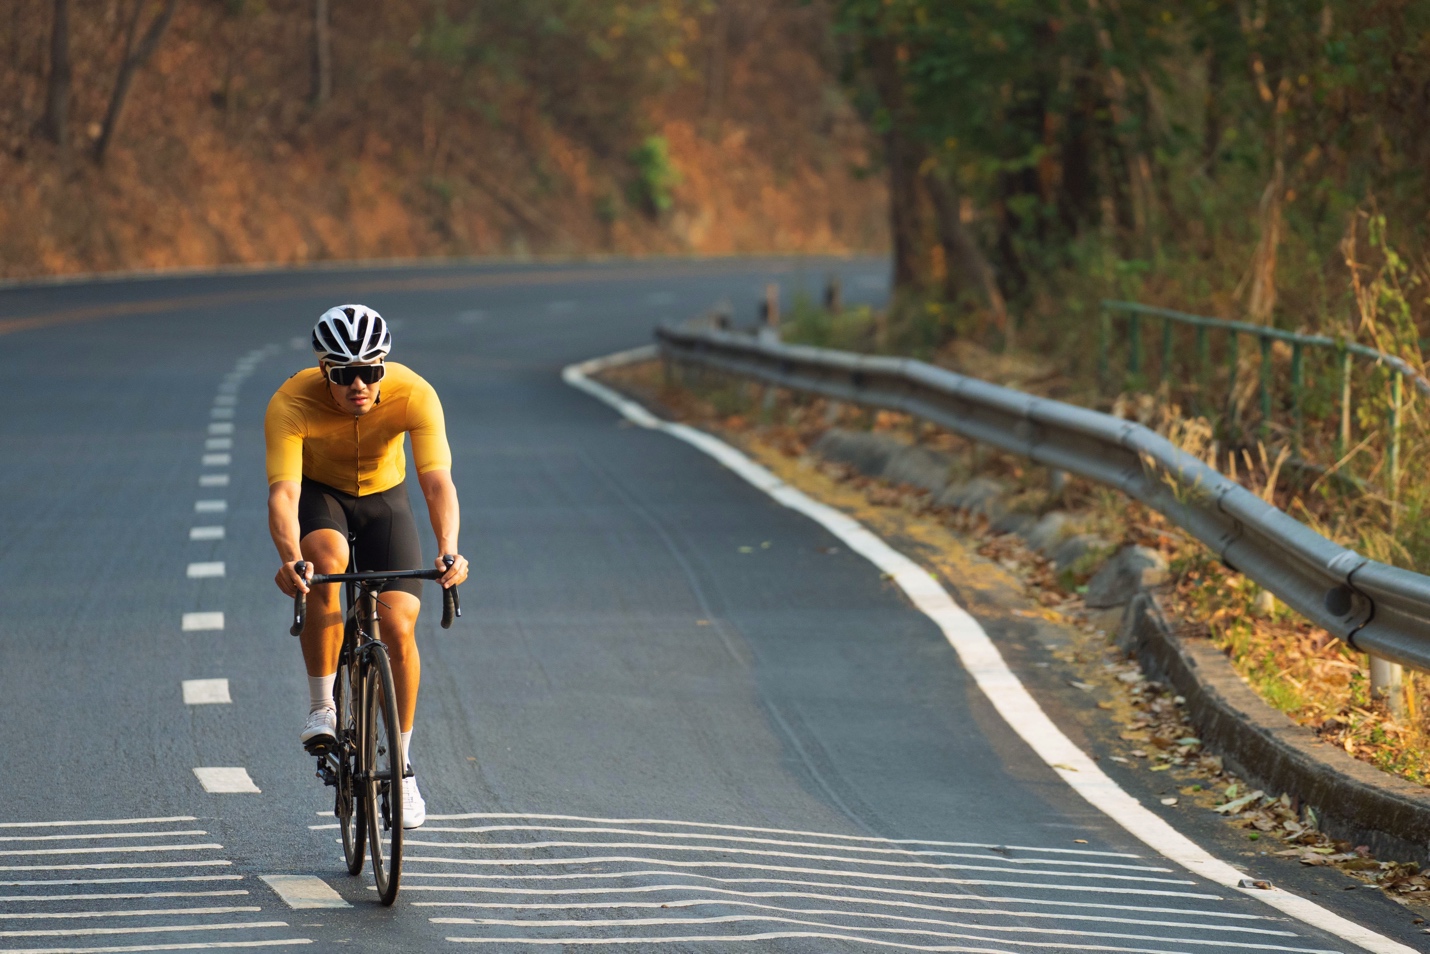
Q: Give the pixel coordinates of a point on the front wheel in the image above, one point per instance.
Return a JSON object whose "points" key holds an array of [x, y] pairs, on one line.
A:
{"points": [[382, 768]]}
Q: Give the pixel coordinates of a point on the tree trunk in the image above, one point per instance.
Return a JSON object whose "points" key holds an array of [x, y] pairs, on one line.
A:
{"points": [[1139, 169], [135, 56], [57, 99], [717, 64], [968, 269], [322, 54]]}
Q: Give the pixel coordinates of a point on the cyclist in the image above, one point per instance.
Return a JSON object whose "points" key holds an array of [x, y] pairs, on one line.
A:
{"points": [[336, 472]]}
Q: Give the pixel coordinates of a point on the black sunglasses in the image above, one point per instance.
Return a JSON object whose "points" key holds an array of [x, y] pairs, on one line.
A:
{"points": [[344, 375]]}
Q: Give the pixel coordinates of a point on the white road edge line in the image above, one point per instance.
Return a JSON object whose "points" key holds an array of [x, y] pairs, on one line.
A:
{"points": [[983, 661]]}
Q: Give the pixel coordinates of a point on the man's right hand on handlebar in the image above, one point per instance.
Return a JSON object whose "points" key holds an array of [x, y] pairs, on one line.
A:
{"points": [[292, 582]]}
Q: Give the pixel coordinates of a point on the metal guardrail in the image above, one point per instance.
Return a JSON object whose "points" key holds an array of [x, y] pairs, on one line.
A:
{"points": [[1375, 608]]}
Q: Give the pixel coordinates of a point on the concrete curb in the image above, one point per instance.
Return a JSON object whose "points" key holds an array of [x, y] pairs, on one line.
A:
{"points": [[1353, 800]]}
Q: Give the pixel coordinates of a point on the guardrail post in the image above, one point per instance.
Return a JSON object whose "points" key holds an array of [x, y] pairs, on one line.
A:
{"points": [[1134, 344], [1343, 436], [1164, 372], [1397, 394], [1204, 359], [1298, 391], [1104, 343], [1387, 684], [1233, 356], [770, 312], [1265, 386], [833, 294]]}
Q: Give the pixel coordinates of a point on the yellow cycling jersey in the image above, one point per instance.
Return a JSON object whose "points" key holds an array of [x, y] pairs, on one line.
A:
{"points": [[308, 435]]}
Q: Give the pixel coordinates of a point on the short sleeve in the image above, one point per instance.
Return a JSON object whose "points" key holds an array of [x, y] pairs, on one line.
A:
{"points": [[428, 427], [283, 438]]}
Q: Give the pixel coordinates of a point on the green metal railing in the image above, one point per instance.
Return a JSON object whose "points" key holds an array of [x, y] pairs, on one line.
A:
{"points": [[1343, 355]]}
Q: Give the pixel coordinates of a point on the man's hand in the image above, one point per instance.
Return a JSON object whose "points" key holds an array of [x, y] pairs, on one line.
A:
{"points": [[456, 574], [289, 580]]}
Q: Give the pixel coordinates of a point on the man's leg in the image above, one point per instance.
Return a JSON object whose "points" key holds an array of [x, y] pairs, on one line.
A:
{"points": [[322, 637], [398, 612]]}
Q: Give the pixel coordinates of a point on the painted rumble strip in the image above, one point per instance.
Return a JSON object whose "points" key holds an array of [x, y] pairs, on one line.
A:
{"points": [[304, 891], [980, 657]]}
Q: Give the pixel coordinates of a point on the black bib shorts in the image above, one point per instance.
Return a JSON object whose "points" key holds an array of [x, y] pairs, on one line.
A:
{"points": [[380, 528]]}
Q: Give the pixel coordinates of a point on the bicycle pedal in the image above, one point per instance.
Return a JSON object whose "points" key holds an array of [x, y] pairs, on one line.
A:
{"points": [[320, 747]]}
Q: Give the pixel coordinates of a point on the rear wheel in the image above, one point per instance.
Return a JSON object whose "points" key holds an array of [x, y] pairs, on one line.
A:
{"points": [[382, 764], [348, 804]]}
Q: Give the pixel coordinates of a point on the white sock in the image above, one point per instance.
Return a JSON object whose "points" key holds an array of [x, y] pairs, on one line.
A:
{"points": [[406, 746], [320, 692]]}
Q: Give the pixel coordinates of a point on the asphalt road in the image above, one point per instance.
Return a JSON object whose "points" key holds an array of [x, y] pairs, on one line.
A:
{"points": [[676, 716]]}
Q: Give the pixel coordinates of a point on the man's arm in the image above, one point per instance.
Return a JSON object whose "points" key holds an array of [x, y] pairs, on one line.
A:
{"points": [[283, 526], [442, 507]]}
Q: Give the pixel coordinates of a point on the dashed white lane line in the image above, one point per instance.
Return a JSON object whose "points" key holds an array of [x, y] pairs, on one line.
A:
{"points": [[213, 480], [210, 506], [217, 460], [164, 929], [200, 571], [100, 821], [225, 400], [221, 413], [131, 913], [99, 836], [220, 427], [206, 692], [206, 533], [120, 895], [982, 660], [108, 849], [202, 622], [82, 881], [304, 891], [218, 444], [225, 779]]}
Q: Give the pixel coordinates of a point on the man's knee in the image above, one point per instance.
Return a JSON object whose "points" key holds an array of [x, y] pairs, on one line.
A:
{"points": [[327, 550]]}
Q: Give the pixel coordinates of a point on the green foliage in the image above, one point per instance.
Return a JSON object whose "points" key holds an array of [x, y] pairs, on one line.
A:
{"points": [[656, 175]]}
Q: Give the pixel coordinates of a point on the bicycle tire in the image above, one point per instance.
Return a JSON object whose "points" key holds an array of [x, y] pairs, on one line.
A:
{"points": [[347, 806], [382, 784]]}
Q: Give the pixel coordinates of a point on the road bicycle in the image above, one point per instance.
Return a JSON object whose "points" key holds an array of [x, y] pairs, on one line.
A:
{"points": [[363, 763]]}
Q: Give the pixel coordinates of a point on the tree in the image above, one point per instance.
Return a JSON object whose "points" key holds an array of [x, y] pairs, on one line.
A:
{"points": [[137, 51], [57, 98], [322, 54]]}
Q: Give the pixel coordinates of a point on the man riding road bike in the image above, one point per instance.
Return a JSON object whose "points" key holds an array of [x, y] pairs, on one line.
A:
{"points": [[336, 473]]}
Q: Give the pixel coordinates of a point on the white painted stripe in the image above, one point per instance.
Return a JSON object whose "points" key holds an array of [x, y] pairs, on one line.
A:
{"points": [[305, 891], [1006, 929], [124, 913], [74, 881], [217, 460], [198, 622], [792, 882], [762, 853], [121, 895], [162, 929], [218, 444], [225, 779], [96, 836], [206, 692], [323, 827], [206, 533], [903, 852], [225, 400], [980, 657], [221, 413], [220, 427], [210, 506], [137, 948], [103, 866], [472, 816], [1021, 913], [197, 571], [213, 480], [101, 821], [108, 849], [827, 872]]}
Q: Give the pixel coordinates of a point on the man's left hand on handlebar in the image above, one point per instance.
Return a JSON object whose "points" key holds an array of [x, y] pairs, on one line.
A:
{"points": [[456, 573]]}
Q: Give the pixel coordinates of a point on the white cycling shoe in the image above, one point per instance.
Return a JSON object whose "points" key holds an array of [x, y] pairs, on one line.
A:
{"points": [[321, 729], [414, 809]]}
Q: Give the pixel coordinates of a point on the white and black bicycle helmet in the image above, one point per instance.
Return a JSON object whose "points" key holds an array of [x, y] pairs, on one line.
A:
{"points": [[351, 334]]}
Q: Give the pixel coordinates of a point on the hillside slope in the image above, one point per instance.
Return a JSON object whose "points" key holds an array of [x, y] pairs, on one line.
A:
{"points": [[452, 129]]}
